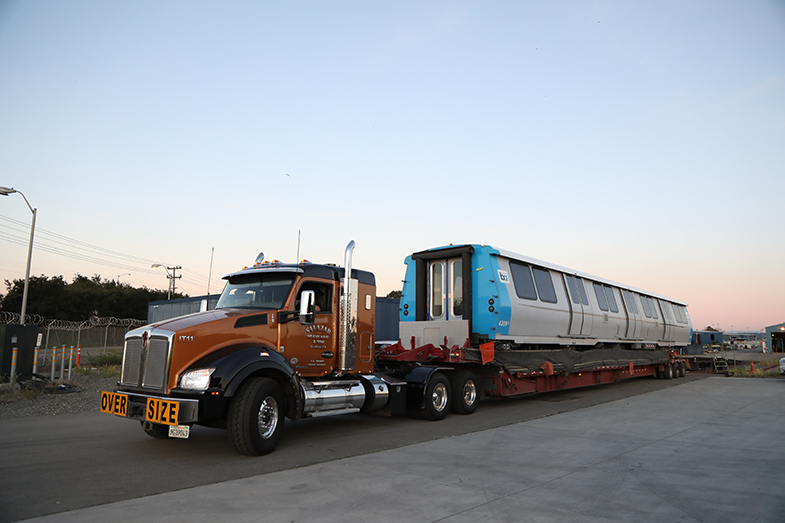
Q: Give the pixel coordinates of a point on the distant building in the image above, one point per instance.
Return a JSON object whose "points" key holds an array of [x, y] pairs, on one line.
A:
{"points": [[775, 338], [701, 342]]}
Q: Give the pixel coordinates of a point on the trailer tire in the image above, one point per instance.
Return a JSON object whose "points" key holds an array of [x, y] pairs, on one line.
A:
{"points": [[155, 430], [667, 372], [437, 398], [682, 369], [465, 392], [256, 417]]}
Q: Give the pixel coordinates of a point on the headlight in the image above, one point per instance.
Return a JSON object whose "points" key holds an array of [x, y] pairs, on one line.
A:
{"points": [[196, 379]]}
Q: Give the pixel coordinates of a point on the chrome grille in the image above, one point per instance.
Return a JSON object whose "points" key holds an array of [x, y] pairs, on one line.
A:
{"points": [[156, 363], [146, 368], [132, 360]]}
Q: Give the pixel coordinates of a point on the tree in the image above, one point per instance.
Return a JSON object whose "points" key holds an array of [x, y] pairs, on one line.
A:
{"points": [[395, 294], [54, 299]]}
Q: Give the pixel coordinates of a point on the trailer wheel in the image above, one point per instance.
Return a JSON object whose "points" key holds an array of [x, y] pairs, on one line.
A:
{"points": [[682, 369], [155, 430], [465, 392], [436, 401], [667, 373], [256, 418]]}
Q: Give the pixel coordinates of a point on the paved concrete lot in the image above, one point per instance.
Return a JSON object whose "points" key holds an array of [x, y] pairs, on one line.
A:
{"points": [[707, 450]]}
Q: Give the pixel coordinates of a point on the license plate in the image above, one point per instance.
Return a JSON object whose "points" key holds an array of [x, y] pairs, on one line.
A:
{"points": [[114, 403], [179, 431], [162, 411]]}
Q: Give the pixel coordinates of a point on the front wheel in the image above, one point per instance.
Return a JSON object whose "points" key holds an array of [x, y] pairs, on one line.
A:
{"points": [[255, 420], [437, 399]]}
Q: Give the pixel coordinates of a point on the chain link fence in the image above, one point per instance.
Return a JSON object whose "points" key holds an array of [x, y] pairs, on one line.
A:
{"points": [[93, 333]]}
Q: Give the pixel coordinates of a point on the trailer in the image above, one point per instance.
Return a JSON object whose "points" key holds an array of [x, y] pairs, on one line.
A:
{"points": [[298, 341]]}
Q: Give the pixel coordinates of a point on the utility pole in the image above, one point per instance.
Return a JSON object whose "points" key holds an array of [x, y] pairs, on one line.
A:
{"points": [[172, 276]]}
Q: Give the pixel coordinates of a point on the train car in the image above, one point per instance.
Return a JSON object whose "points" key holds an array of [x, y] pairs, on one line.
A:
{"points": [[468, 295]]}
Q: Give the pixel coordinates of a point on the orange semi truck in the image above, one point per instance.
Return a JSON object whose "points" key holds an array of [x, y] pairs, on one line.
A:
{"points": [[297, 341]]}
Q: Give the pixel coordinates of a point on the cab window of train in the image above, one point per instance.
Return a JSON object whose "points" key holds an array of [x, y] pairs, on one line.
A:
{"points": [[599, 292], [437, 290], [522, 279], [544, 285], [457, 288], [611, 299]]}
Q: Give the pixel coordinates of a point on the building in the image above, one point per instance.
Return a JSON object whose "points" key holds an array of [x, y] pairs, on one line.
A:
{"points": [[775, 338]]}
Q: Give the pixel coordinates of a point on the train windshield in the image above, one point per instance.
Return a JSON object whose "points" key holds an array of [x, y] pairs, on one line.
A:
{"points": [[256, 291]]}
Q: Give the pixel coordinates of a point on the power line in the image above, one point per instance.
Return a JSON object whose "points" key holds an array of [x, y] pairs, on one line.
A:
{"points": [[58, 244]]}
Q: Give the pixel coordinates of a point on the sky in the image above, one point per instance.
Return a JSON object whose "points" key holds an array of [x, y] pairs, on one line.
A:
{"points": [[643, 142]]}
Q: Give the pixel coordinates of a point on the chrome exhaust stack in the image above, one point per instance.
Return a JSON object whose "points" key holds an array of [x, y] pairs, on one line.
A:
{"points": [[348, 350]]}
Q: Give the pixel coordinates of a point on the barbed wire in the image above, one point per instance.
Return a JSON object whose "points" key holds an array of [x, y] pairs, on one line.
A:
{"points": [[66, 325]]}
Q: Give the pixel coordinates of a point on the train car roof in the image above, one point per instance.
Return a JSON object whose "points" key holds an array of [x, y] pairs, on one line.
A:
{"points": [[534, 261]]}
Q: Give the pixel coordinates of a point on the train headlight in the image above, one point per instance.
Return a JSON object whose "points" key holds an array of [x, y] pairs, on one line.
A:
{"points": [[198, 379]]}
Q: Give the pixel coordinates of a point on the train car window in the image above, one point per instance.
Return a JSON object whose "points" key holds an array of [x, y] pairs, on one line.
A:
{"points": [[457, 288], [653, 307], [437, 290], [646, 307], [629, 300], [522, 279], [577, 289], [611, 299], [599, 292], [574, 294], [666, 311], [544, 285]]}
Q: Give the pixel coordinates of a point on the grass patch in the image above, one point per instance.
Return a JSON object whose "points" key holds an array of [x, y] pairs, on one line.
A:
{"points": [[762, 369], [110, 358]]}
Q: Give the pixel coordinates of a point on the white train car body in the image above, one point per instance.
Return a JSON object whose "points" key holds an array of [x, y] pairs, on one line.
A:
{"points": [[480, 293]]}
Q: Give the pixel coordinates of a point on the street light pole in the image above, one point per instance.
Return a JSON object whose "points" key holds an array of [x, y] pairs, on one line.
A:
{"points": [[5, 191]]}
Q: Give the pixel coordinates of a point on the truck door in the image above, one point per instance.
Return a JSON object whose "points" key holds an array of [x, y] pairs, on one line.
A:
{"points": [[445, 284], [310, 349]]}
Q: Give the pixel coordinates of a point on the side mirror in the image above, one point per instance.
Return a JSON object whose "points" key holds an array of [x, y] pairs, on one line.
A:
{"points": [[307, 307]]}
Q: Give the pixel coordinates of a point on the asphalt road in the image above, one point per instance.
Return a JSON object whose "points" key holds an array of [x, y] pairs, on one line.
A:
{"points": [[55, 464]]}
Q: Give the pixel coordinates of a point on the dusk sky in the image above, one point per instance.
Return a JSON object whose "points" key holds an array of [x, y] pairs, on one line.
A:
{"points": [[643, 142]]}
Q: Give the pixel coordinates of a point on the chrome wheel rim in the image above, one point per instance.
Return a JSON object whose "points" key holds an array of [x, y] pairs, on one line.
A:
{"points": [[469, 393], [267, 419], [439, 397]]}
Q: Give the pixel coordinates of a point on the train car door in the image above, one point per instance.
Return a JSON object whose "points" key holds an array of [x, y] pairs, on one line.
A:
{"points": [[445, 284], [581, 318], [667, 319], [633, 315]]}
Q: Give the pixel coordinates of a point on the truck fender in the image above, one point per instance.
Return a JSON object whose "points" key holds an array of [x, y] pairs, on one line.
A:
{"points": [[416, 382], [233, 369]]}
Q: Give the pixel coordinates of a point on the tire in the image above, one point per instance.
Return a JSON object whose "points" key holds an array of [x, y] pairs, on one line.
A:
{"points": [[256, 417], [668, 372], [682, 369], [155, 430], [465, 392], [437, 398]]}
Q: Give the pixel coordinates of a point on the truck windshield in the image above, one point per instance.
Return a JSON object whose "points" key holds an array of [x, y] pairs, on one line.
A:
{"points": [[256, 291]]}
